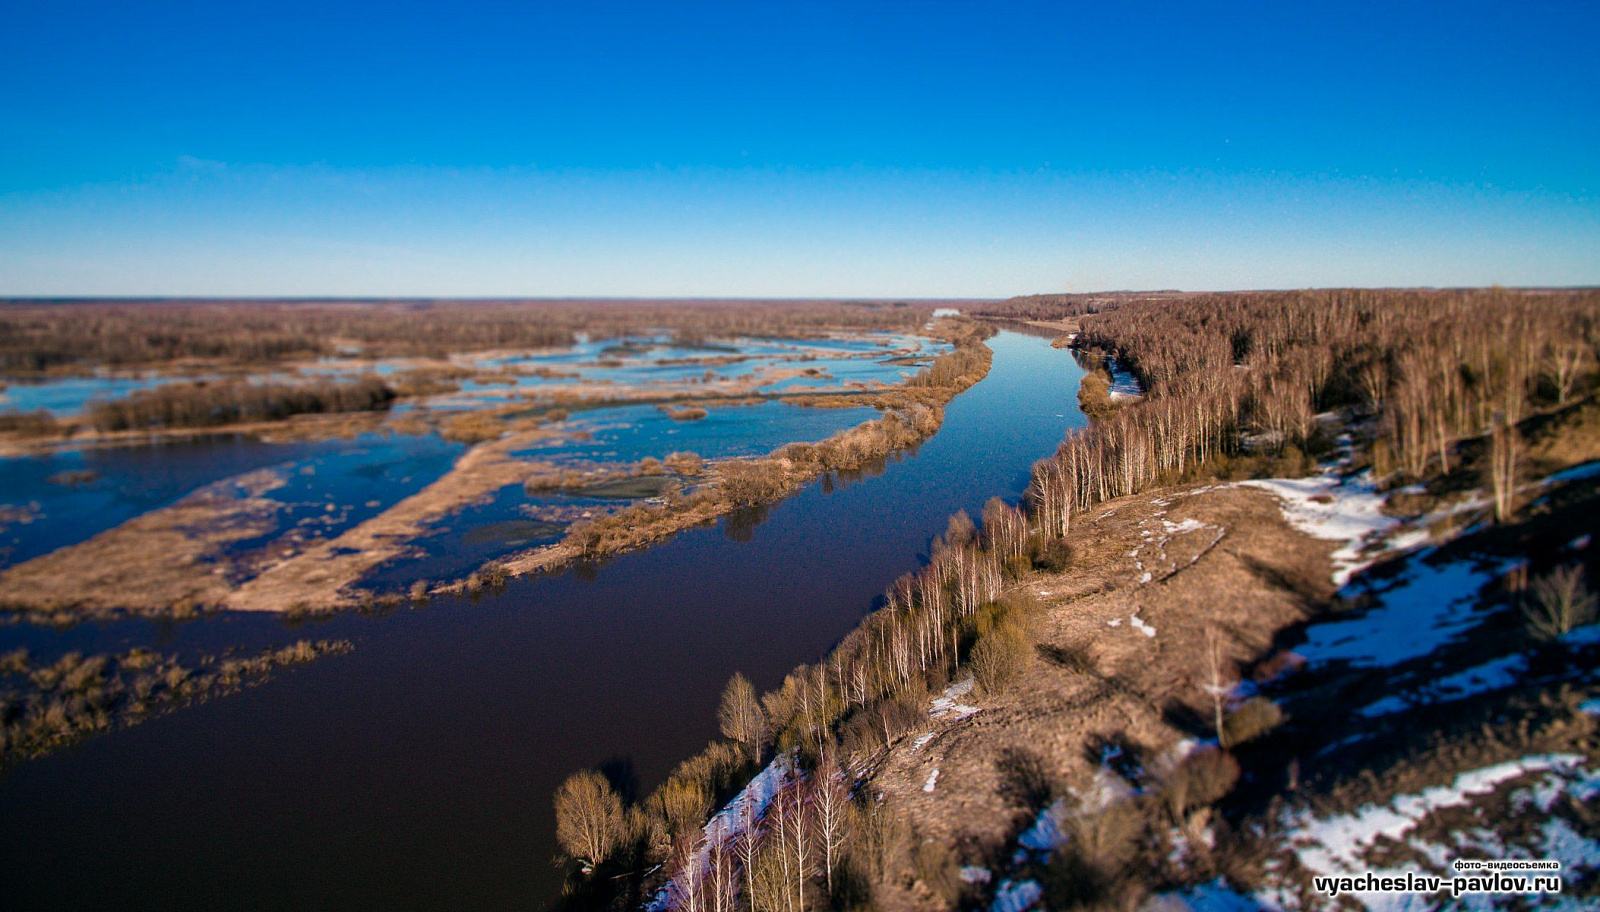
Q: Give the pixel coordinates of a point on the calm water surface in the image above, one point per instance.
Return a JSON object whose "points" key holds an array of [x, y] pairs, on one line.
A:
{"points": [[417, 772]]}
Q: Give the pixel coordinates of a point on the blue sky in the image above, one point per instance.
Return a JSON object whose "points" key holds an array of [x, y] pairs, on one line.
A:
{"points": [[847, 149]]}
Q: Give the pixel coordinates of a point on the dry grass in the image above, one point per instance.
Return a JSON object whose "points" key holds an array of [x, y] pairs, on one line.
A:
{"points": [[1098, 684]]}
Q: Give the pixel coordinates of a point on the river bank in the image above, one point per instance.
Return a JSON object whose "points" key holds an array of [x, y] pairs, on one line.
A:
{"points": [[345, 777]]}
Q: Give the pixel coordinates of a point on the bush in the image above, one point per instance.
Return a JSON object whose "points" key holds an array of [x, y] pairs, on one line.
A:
{"points": [[1254, 718], [1001, 656], [936, 868], [1052, 555], [1561, 603], [753, 482]]}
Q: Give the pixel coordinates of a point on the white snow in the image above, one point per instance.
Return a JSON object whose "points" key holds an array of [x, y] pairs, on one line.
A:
{"points": [[973, 874], [1491, 675], [921, 741], [933, 778], [950, 705], [1179, 528], [1016, 896], [1576, 473], [1139, 625], [749, 805], [1045, 835], [1212, 897], [1421, 610], [1333, 508], [1336, 845]]}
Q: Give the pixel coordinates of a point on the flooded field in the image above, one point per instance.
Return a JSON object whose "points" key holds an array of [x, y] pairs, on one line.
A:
{"points": [[242, 503], [418, 769]]}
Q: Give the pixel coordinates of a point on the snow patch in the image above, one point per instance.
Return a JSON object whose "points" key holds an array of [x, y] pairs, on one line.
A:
{"points": [[1583, 636], [1576, 473], [747, 806], [950, 705], [1045, 834], [933, 778], [1335, 845], [1212, 897], [1422, 609], [973, 874], [1333, 508], [1139, 625], [1016, 896], [1491, 675]]}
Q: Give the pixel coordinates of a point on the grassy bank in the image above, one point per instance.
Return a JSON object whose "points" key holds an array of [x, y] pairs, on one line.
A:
{"points": [[46, 706]]}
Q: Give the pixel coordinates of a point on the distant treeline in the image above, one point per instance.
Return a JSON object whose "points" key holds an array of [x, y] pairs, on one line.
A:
{"points": [[45, 336], [1060, 306], [235, 401], [1231, 375]]}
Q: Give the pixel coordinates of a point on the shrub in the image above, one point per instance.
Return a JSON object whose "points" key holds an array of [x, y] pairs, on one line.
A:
{"points": [[683, 463], [752, 482], [1001, 656], [1254, 718], [1053, 555], [935, 866], [1561, 603]]}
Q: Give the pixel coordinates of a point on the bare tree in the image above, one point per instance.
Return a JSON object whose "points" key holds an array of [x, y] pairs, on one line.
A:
{"points": [[1218, 680], [747, 847], [1502, 468], [589, 818], [740, 715], [831, 791]]}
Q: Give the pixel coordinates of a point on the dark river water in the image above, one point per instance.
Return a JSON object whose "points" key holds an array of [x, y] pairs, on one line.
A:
{"points": [[417, 772]]}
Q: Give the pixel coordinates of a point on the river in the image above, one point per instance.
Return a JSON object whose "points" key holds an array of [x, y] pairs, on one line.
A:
{"points": [[417, 771]]}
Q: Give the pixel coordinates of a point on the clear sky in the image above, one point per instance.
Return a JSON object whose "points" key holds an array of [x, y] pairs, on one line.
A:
{"points": [[852, 149]]}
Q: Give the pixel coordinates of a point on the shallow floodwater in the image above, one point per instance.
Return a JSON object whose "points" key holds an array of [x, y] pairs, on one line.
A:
{"points": [[417, 772], [62, 498]]}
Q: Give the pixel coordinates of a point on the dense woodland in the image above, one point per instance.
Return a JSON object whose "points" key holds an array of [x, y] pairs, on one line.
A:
{"points": [[1234, 385], [79, 337], [1247, 375]]}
